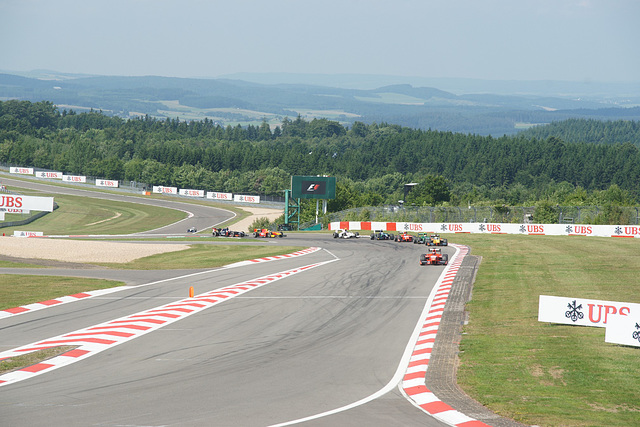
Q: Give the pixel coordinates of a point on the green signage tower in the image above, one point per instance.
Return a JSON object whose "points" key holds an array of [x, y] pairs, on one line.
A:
{"points": [[307, 187]]}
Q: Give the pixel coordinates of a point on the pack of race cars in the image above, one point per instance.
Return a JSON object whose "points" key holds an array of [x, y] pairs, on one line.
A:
{"points": [[434, 256]]}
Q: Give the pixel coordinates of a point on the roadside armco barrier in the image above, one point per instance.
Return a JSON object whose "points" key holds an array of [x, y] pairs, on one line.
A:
{"points": [[493, 228]]}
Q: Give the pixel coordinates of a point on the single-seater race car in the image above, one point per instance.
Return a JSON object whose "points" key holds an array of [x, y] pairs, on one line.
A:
{"points": [[225, 232], [265, 233], [436, 240], [421, 239], [404, 237], [381, 235], [434, 257], [345, 234], [192, 230]]}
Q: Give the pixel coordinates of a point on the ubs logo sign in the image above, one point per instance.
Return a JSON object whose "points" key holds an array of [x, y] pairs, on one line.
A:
{"points": [[575, 311]]}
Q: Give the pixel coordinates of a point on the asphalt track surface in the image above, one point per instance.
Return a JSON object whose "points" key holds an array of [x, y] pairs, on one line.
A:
{"points": [[307, 344]]}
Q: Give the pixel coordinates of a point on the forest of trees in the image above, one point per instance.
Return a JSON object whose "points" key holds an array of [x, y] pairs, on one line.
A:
{"points": [[589, 130], [371, 161]]}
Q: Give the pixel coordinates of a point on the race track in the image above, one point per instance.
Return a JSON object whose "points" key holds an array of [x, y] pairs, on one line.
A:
{"points": [[306, 344], [303, 345]]}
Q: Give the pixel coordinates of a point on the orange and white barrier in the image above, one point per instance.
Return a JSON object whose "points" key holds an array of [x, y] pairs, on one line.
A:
{"points": [[493, 228]]}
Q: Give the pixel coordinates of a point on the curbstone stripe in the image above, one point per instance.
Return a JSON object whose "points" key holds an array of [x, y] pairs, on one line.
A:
{"points": [[414, 383]]}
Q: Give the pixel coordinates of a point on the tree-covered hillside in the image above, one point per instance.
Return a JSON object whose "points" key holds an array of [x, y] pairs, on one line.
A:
{"points": [[371, 161], [589, 130]]}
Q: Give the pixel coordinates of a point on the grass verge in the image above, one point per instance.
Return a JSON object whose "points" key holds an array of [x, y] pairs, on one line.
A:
{"points": [[17, 290], [19, 362], [546, 374], [203, 256]]}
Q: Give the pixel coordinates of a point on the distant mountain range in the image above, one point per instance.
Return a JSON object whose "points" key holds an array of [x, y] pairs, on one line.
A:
{"points": [[467, 106]]}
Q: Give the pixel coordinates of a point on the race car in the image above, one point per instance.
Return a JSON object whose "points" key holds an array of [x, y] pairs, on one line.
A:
{"points": [[436, 240], [421, 239], [267, 233], [225, 232], [345, 234], [434, 257], [192, 230], [404, 237], [381, 235]]}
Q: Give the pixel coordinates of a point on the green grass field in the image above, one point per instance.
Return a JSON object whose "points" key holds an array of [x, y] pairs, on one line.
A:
{"points": [[17, 290], [547, 374]]}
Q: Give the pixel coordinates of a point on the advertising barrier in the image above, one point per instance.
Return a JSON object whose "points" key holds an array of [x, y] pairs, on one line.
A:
{"points": [[219, 196], [623, 330], [164, 190], [15, 211], [191, 193], [246, 199], [106, 183], [581, 311], [33, 203], [22, 171], [494, 228], [621, 319], [49, 175], [74, 178], [17, 233]]}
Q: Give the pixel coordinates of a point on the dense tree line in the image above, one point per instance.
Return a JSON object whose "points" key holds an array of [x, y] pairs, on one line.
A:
{"points": [[589, 130], [372, 161]]}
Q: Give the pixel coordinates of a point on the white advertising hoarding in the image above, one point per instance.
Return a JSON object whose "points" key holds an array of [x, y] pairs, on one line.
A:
{"points": [[22, 171], [14, 210], [582, 311], [623, 330], [17, 233], [33, 203], [191, 193], [246, 199], [219, 196], [106, 183], [165, 190], [49, 175], [74, 178]]}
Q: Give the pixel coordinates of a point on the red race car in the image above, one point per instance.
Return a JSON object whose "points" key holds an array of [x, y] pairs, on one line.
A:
{"points": [[267, 233], [404, 237], [434, 257]]}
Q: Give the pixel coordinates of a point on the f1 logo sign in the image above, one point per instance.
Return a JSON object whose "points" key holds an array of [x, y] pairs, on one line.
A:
{"points": [[314, 187]]}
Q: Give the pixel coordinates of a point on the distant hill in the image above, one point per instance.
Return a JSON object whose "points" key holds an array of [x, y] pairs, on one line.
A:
{"points": [[229, 101]]}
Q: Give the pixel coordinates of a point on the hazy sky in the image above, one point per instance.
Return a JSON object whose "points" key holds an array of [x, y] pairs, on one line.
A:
{"points": [[575, 40]]}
